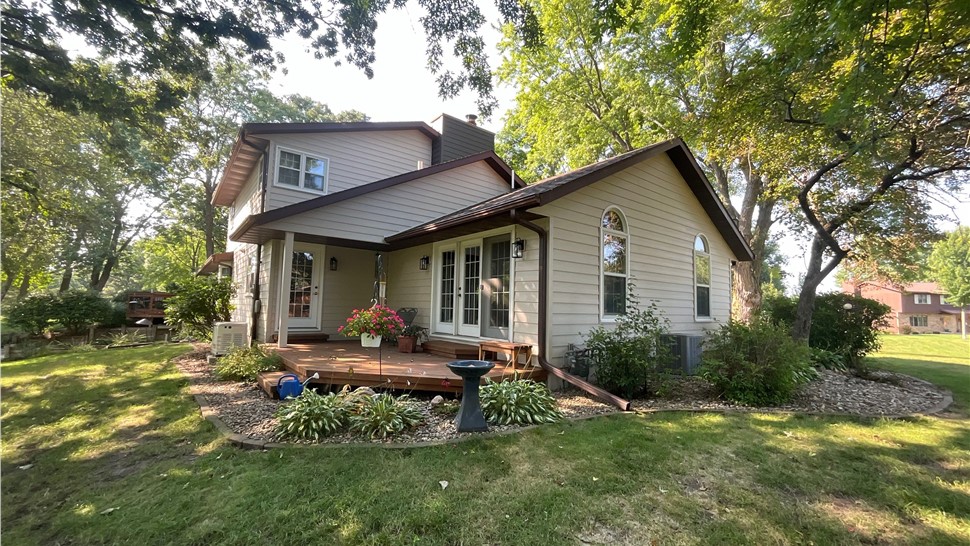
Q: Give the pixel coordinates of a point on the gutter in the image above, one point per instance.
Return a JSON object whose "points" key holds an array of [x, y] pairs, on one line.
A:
{"points": [[595, 391], [257, 304]]}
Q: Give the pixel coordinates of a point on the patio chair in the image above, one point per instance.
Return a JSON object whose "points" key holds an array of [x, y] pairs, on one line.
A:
{"points": [[407, 314]]}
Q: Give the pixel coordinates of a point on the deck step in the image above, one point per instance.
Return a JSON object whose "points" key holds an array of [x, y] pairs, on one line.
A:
{"points": [[451, 349], [304, 337], [268, 381]]}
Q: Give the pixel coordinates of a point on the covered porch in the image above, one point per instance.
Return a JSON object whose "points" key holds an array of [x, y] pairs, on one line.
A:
{"points": [[347, 363]]}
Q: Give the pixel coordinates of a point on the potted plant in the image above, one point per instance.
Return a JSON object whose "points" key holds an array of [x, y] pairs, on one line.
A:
{"points": [[371, 324], [408, 338]]}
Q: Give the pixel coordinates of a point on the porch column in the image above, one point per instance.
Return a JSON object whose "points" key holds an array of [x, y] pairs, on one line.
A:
{"points": [[287, 272]]}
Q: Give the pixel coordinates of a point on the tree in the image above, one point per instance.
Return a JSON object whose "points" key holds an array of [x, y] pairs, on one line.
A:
{"points": [[605, 79], [950, 263], [175, 38]]}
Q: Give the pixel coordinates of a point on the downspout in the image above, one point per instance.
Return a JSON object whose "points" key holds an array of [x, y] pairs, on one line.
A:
{"points": [[595, 391], [257, 305]]}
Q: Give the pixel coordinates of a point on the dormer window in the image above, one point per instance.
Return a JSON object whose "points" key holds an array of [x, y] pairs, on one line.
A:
{"points": [[301, 171]]}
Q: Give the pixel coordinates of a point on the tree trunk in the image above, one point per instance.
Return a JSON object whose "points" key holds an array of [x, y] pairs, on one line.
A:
{"points": [[24, 287], [814, 275], [70, 260], [747, 294], [209, 214], [963, 321]]}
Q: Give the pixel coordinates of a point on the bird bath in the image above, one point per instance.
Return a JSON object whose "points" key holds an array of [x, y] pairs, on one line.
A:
{"points": [[470, 417]]}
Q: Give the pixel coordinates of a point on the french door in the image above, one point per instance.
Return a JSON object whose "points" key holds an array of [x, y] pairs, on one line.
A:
{"points": [[305, 281], [472, 292]]}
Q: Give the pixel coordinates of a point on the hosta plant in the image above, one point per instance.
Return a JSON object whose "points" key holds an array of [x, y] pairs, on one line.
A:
{"points": [[312, 416], [518, 402], [383, 416]]}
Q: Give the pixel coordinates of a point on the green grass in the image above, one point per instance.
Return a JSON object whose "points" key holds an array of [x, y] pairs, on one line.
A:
{"points": [[116, 429]]}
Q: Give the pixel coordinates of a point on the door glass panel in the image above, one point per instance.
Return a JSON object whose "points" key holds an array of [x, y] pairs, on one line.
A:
{"points": [[301, 285], [471, 285], [447, 313], [499, 266]]}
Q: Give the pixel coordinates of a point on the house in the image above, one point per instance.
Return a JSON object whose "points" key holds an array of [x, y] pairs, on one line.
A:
{"points": [[916, 308], [328, 217]]}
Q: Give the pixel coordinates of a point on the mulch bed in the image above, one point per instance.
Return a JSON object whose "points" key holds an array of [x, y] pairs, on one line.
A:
{"points": [[247, 410]]}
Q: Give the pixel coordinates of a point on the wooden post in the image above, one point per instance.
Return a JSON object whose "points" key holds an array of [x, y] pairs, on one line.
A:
{"points": [[285, 274]]}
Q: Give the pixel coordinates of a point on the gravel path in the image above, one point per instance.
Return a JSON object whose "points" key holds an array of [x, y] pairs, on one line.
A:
{"points": [[245, 409]]}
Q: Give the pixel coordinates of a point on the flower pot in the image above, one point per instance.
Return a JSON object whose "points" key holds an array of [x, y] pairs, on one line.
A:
{"points": [[405, 344], [367, 340]]}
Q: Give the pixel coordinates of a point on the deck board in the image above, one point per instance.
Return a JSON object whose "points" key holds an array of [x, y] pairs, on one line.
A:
{"points": [[347, 363]]}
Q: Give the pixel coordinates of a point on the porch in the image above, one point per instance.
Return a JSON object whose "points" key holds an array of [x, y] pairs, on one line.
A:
{"points": [[347, 363]]}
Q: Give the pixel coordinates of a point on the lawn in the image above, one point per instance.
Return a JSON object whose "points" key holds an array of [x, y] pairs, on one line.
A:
{"points": [[120, 454]]}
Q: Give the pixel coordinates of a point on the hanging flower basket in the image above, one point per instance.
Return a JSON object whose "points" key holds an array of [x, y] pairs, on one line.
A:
{"points": [[375, 322]]}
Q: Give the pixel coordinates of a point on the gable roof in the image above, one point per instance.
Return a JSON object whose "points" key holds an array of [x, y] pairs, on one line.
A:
{"points": [[248, 148], [550, 189], [490, 158]]}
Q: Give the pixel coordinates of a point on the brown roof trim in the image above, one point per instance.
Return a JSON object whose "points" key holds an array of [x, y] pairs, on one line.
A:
{"points": [[294, 128], [550, 189], [212, 263], [489, 157]]}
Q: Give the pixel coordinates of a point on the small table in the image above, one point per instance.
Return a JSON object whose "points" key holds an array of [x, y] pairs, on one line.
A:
{"points": [[514, 350]]}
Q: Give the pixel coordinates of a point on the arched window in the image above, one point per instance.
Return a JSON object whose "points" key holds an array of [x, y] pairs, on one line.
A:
{"points": [[615, 259], [702, 278]]}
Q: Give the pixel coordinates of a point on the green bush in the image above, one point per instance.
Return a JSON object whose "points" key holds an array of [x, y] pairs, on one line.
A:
{"points": [[851, 333], [518, 403], [827, 360], [630, 355], [384, 415], [757, 364], [245, 363], [311, 416], [76, 309], [33, 314], [198, 304]]}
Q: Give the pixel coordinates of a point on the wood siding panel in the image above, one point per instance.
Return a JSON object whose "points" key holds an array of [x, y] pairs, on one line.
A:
{"points": [[663, 218], [407, 285], [350, 287], [356, 158], [525, 310], [373, 216]]}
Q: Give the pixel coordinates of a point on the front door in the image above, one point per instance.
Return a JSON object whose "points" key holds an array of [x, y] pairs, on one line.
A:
{"points": [[305, 281]]}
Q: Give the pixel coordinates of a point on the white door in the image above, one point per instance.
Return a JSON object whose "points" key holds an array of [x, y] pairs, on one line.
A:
{"points": [[458, 291], [305, 282]]}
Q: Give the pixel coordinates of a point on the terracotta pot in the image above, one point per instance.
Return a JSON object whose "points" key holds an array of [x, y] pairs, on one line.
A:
{"points": [[406, 344]]}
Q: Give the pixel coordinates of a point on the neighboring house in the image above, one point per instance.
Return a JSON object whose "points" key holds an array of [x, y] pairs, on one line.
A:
{"points": [[219, 264], [919, 307], [478, 253]]}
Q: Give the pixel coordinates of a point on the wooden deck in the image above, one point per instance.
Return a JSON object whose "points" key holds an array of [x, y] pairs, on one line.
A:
{"points": [[347, 363]]}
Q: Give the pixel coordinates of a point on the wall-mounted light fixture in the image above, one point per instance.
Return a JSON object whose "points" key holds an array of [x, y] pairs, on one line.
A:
{"points": [[518, 248], [423, 263], [333, 263]]}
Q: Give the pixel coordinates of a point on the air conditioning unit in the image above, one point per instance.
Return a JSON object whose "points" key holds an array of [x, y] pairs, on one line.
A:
{"points": [[227, 335], [686, 351]]}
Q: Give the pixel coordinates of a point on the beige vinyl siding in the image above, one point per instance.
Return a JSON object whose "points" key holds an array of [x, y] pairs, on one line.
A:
{"points": [[525, 290], [243, 300], [355, 158], [373, 216], [350, 287], [663, 217], [248, 200], [407, 285]]}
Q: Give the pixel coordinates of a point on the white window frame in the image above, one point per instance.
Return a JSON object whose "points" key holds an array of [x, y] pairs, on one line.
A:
{"points": [[710, 275], [303, 157], [918, 297], [925, 318], [604, 317], [942, 299]]}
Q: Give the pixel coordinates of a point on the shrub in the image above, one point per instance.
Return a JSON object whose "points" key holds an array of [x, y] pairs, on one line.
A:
{"points": [[245, 363], [76, 309], [827, 360], [757, 364], [630, 355], [851, 333], [518, 402], [198, 304], [131, 337], [311, 416], [383, 416], [33, 314]]}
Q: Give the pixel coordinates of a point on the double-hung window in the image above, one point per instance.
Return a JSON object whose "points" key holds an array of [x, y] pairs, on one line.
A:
{"points": [[702, 278], [919, 320], [303, 171], [923, 299], [615, 239]]}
